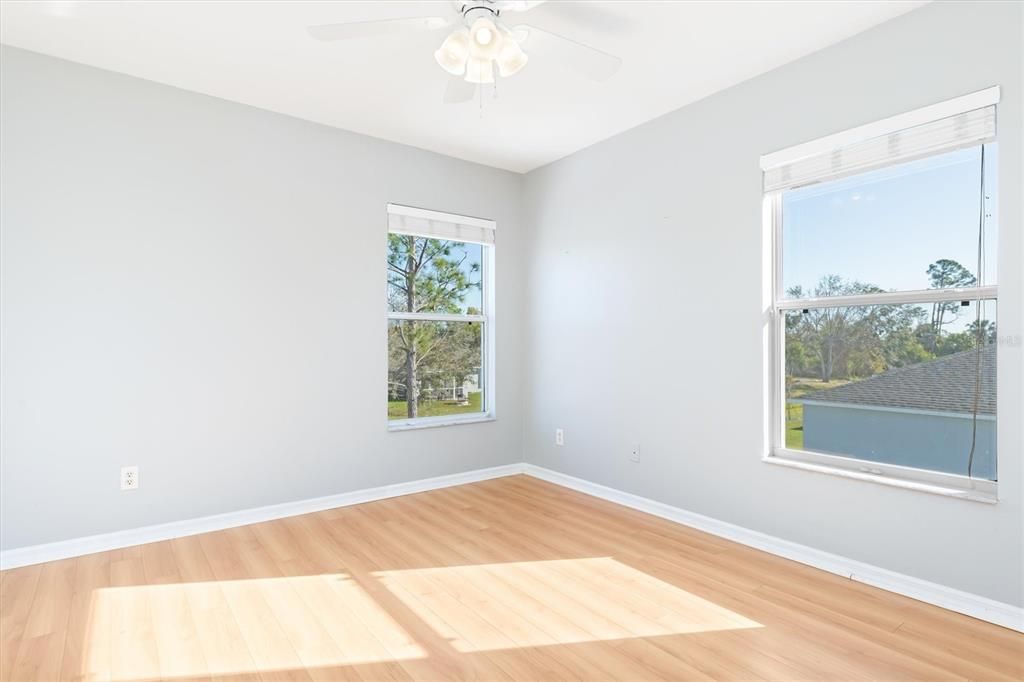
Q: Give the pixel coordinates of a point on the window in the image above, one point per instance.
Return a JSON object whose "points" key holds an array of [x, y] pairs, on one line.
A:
{"points": [[884, 300], [440, 318]]}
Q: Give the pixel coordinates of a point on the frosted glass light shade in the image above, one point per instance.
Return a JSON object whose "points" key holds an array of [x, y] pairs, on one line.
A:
{"points": [[454, 52], [484, 39], [479, 70], [511, 58]]}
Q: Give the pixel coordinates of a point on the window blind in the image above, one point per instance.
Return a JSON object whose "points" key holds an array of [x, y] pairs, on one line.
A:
{"points": [[841, 155], [438, 225]]}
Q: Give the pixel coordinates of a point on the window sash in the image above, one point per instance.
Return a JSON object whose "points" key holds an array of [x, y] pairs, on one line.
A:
{"points": [[485, 285], [975, 293], [952, 485], [486, 380], [943, 483], [436, 317]]}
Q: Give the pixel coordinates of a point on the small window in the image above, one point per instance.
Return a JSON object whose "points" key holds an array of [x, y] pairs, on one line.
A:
{"points": [[440, 313], [885, 309]]}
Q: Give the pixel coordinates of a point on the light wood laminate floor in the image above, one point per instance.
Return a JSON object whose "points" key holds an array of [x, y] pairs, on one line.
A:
{"points": [[509, 579]]}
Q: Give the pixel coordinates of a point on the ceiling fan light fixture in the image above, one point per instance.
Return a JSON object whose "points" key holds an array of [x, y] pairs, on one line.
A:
{"points": [[485, 40], [479, 70], [454, 52], [511, 59]]}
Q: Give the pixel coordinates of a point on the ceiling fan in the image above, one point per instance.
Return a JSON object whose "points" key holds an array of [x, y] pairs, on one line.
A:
{"points": [[482, 45]]}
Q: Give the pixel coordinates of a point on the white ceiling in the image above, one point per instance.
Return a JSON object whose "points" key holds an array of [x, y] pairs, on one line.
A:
{"points": [[258, 53]]}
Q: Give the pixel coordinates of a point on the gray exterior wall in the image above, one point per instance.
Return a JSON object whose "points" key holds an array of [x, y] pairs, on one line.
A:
{"points": [[925, 441]]}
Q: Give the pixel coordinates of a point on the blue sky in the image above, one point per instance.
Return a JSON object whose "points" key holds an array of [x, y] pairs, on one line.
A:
{"points": [[885, 227]]}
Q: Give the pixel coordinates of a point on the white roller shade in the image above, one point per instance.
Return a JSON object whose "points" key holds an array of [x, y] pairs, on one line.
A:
{"points": [[964, 122], [421, 222]]}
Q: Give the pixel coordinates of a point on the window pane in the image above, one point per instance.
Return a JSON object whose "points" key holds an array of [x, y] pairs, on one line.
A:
{"points": [[443, 361], [913, 385], [907, 227], [434, 275]]}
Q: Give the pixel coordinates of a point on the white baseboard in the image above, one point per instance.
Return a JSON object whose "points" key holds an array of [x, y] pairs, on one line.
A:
{"points": [[973, 605], [35, 554], [969, 604]]}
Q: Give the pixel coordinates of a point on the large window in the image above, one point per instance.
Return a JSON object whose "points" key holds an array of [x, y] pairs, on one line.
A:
{"points": [[440, 317], [884, 301]]}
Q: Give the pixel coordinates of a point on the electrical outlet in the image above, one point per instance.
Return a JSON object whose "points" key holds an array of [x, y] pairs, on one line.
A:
{"points": [[130, 478], [634, 455], [559, 437]]}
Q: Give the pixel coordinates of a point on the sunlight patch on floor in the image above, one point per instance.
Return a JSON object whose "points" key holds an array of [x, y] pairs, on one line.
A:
{"points": [[539, 603], [238, 626]]}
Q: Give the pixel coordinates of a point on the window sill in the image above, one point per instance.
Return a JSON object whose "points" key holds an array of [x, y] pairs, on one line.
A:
{"points": [[434, 422], [985, 496]]}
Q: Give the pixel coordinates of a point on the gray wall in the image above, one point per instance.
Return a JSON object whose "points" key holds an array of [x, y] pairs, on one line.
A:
{"points": [[936, 441], [646, 315], [197, 287]]}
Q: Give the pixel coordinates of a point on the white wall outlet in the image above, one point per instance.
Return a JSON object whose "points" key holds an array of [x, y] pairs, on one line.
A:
{"points": [[130, 478], [634, 454], [559, 437]]}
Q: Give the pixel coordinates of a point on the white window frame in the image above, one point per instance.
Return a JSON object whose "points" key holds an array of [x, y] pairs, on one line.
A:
{"points": [[923, 480], [486, 320]]}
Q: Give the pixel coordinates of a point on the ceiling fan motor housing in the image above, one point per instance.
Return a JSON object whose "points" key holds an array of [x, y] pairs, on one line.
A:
{"points": [[472, 11]]}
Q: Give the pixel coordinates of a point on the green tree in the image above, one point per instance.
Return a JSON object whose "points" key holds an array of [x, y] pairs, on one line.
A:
{"points": [[426, 275], [891, 330], [829, 333], [956, 342], [796, 355], [978, 333], [946, 273], [460, 357], [983, 330], [860, 341], [853, 341]]}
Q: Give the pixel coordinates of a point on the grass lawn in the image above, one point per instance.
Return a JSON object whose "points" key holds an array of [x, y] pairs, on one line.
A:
{"points": [[802, 385], [794, 426], [795, 412], [397, 409]]}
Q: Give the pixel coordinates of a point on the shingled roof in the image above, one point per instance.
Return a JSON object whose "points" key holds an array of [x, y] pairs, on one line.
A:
{"points": [[945, 384]]}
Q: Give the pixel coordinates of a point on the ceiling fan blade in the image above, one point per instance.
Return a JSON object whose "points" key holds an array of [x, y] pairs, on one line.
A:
{"points": [[520, 34], [520, 5], [458, 91], [364, 29], [590, 61]]}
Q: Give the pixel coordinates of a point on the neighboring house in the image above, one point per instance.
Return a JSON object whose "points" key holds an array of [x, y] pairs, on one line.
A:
{"points": [[451, 390], [434, 388], [918, 416]]}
